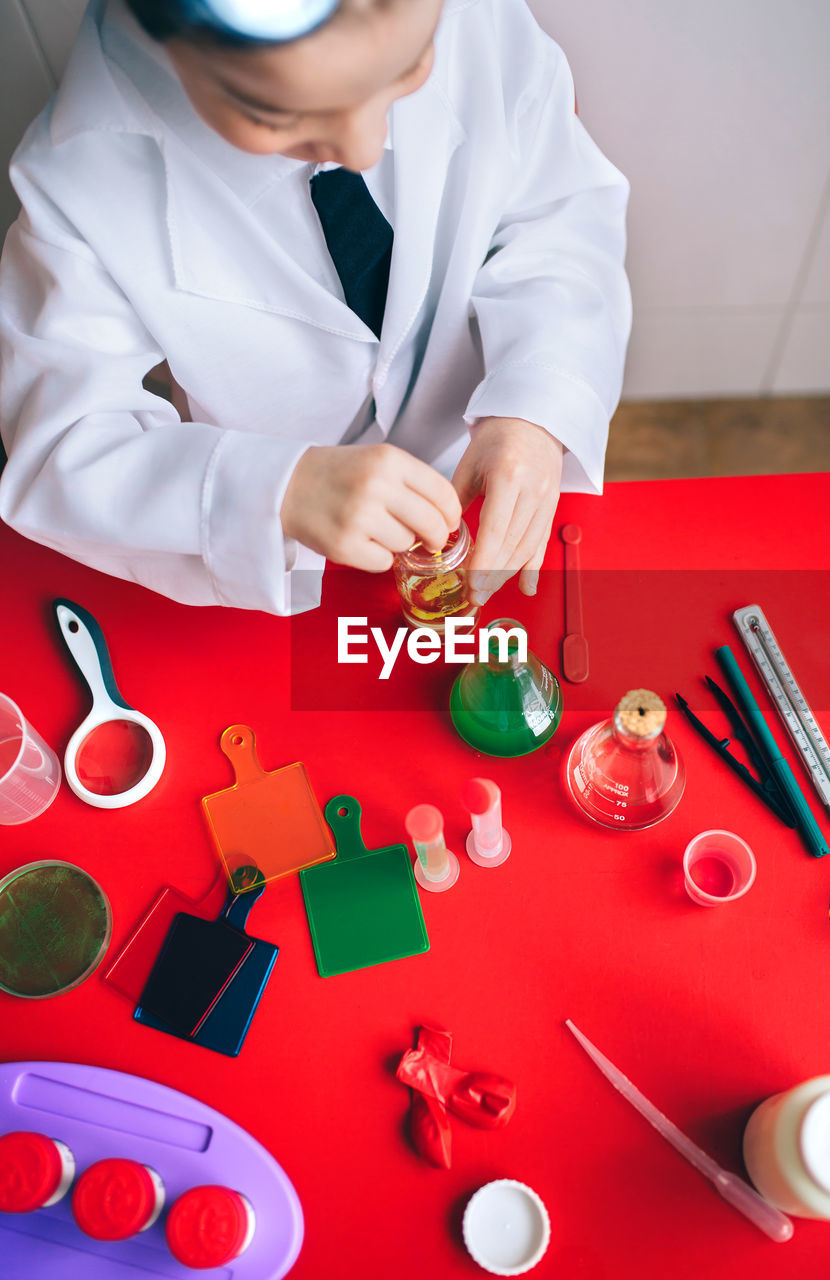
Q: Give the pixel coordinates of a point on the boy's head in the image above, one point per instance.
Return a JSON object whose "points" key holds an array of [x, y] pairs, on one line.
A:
{"points": [[320, 96]]}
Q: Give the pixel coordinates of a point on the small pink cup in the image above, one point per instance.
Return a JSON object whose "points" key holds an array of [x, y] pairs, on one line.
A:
{"points": [[718, 866]]}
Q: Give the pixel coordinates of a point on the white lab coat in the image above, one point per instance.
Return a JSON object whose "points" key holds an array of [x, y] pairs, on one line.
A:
{"points": [[507, 296]]}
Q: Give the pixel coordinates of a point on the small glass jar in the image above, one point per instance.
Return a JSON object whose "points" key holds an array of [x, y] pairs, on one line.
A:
{"points": [[433, 585]]}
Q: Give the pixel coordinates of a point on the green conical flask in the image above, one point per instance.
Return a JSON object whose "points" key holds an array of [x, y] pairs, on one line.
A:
{"points": [[505, 706]]}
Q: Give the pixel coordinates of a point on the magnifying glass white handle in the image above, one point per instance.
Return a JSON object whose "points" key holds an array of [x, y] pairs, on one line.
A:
{"points": [[84, 639], [86, 644]]}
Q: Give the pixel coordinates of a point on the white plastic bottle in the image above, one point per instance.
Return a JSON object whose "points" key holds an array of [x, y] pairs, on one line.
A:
{"points": [[787, 1149]]}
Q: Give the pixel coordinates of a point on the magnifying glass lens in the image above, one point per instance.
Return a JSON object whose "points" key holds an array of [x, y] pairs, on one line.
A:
{"points": [[114, 757]]}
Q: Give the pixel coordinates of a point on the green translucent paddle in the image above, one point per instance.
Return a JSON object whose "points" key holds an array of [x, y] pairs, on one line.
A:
{"points": [[363, 908]]}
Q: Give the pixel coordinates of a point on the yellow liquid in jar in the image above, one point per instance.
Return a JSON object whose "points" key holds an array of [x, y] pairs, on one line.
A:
{"points": [[431, 598]]}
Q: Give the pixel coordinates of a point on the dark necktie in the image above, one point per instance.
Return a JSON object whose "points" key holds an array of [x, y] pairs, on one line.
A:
{"points": [[359, 240]]}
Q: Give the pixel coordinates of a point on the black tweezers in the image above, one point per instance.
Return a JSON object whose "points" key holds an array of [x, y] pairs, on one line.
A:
{"points": [[765, 785]]}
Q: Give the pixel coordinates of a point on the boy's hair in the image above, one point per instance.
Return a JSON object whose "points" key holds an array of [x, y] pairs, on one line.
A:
{"points": [[196, 20]]}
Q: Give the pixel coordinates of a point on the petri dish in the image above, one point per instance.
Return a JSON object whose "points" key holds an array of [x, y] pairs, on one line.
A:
{"points": [[55, 927]]}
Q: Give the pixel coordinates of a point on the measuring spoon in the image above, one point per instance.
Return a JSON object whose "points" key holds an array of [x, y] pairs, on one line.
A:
{"points": [[574, 647], [116, 755]]}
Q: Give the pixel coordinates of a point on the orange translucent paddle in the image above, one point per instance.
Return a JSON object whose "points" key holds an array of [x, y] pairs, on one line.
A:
{"points": [[269, 822]]}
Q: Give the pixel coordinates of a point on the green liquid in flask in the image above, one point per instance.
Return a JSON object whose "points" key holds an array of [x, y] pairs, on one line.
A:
{"points": [[505, 707]]}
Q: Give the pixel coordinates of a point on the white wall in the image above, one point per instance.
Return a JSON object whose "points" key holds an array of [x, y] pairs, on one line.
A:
{"points": [[719, 113], [35, 38]]}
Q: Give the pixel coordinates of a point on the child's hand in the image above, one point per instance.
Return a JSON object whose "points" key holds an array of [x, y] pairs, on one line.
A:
{"points": [[518, 467], [359, 504]]}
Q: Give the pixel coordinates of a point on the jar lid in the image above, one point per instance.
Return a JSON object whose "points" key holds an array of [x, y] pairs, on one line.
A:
{"points": [[506, 1227], [30, 1171], [207, 1226], [114, 1199], [814, 1140], [454, 551]]}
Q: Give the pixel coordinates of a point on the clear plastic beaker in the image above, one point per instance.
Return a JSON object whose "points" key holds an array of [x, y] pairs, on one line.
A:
{"points": [[625, 773], [30, 772]]}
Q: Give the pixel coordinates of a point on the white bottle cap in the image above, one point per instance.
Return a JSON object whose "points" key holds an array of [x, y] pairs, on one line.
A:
{"points": [[506, 1227], [814, 1141]]}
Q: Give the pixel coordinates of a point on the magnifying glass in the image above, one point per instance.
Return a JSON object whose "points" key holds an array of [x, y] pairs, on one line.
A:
{"points": [[117, 754]]}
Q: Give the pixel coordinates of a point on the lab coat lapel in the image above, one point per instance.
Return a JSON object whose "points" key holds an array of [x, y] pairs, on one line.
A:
{"points": [[234, 259], [237, 260], [208, 262], [116, 105], [218, 250], [426, 132]]}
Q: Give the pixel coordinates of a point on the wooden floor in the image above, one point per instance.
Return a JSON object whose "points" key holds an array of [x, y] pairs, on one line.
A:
{"points": [[659, 440]]}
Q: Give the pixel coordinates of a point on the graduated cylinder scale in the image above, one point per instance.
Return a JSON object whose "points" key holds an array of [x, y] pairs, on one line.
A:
{"points": [[782, 687]]}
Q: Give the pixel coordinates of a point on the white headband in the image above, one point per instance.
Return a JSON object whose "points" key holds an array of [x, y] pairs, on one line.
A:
{"points": [[271, 19]]}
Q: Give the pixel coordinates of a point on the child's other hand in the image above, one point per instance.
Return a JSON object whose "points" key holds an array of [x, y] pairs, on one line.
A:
{"points": [[359, 504], [517, 465]]}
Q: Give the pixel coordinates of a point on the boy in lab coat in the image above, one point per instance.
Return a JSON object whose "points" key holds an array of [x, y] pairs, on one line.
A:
{"points": [[167, 216]]}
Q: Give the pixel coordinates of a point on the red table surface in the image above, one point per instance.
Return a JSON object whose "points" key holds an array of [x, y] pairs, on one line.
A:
{"points": [[707, 1010]]}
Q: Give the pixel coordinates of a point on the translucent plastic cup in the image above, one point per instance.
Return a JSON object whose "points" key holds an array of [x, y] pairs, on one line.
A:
{"points": [[718, 866], [30, 772]]}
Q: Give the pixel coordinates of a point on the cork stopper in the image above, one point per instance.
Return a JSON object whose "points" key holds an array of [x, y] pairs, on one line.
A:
{"points": [[641, 713]]}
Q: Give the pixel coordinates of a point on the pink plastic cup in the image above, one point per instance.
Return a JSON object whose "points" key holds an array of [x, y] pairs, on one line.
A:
{"points": [[718, 866], [30, 772]]}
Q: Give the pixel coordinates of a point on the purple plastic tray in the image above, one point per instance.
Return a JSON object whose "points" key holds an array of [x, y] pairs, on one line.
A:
{"points": [[100, 1113]]}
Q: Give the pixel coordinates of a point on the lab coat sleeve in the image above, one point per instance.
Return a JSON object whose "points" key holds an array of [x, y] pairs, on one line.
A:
{"points": [[551, 301], [106, 472]]}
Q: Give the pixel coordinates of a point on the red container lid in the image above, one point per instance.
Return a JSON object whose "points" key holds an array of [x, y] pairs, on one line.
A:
{"points": [[30, 1171], [207, 1227], [424, 823], [114, 1199], [479, 795]]}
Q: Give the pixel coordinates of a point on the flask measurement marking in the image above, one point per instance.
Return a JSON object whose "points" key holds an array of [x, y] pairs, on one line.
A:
{"points": [[789, 701]]}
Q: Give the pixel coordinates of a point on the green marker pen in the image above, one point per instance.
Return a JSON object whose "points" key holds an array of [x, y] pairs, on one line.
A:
{"points": [[807, 825]]}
